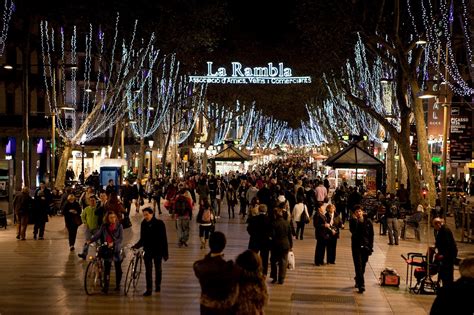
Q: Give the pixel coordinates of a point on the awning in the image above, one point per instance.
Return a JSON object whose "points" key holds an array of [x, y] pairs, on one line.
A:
{"points": [[353, 157], [231, 153]]}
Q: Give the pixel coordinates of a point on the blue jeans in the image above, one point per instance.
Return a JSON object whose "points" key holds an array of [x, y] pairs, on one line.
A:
{"points": [[87, 235], [183, 229]]}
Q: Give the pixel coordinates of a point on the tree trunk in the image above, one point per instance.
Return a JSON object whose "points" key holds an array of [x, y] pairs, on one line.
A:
{"points": [[141, 159], [425, 157], [390, 166], [403, 172], [413, 175], [167, 143], [116, 140], [62, 167]]}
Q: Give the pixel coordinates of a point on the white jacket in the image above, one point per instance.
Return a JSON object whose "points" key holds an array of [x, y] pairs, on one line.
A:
{"points": [[298, 210]]}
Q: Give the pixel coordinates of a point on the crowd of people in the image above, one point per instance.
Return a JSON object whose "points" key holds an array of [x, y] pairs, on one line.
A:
{"points": [[276, 202]]}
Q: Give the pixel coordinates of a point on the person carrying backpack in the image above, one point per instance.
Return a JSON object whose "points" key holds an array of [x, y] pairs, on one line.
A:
{"points": [[206, 220], [183, 211], [392, 212]]}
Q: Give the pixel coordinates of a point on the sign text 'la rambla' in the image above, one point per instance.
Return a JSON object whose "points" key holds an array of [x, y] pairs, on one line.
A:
{"points": [[245, 75]]}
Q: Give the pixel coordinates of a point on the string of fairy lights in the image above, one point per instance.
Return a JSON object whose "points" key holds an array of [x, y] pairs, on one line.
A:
{"points": [[8, 9], [437, 24], [86, 106]]}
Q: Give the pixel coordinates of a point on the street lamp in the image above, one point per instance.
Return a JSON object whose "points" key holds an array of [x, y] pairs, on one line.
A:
{"points": [[83, 178], [150, 144], [199, 150]]}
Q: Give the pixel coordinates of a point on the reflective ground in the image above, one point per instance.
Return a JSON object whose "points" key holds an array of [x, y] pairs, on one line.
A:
{"points": [[44, 277]]}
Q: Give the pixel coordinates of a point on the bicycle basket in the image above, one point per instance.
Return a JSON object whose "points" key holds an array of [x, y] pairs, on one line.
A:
{"points": [[105, 252]]}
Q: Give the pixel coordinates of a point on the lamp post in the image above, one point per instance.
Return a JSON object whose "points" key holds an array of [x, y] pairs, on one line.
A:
{"points": [[83, 178], [150, 144]]}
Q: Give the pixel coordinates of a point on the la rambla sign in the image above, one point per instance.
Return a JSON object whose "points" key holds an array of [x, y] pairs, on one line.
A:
{"points": [[238, 74]]}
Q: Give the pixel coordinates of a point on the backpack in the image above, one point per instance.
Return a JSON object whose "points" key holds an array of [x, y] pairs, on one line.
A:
{"points": [[206, 216], [180, 206]]}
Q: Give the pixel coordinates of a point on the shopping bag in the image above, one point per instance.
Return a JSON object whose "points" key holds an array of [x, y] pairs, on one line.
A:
{"points": [[291, 260]]}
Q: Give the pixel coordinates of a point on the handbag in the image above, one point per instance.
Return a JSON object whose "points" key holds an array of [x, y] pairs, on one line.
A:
{"points": [[304, 217], [77, 220], [291, 260]]}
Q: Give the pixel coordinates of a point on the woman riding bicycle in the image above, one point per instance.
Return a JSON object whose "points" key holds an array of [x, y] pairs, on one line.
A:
{"points": [[111, 235]]}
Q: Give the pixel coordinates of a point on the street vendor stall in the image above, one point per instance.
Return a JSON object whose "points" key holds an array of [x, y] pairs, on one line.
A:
{"points": [[231, 159], [356, 165]]}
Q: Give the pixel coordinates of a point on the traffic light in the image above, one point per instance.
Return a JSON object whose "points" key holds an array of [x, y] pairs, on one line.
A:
{"points": [[442, 168]]}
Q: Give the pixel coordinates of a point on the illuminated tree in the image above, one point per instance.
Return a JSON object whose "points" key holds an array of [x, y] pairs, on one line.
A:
{"points": [[8, 9], [88, 89]]}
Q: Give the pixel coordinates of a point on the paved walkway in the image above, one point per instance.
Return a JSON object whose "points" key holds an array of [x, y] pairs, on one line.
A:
{"points": [[44, 277]]}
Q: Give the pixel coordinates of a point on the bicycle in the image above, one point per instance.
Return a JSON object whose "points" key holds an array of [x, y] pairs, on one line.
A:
{"points": [[134, 270], [94, 275]]}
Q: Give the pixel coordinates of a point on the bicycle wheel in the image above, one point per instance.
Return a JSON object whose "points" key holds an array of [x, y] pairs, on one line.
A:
{"points": [[138, 270], [129, 276], [93, 278]]}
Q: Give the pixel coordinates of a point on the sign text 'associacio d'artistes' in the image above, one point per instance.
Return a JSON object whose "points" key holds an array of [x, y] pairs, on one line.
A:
{"points": [[270, 74]]}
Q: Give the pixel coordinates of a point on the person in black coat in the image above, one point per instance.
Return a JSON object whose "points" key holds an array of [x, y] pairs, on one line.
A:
{"points": [[321, 230], [218, 278], [282, 242], [457, 297], [72, 217], [260, 229], [42, 201], [155, 243], [335, 222], [447, 251], [362, 243]]}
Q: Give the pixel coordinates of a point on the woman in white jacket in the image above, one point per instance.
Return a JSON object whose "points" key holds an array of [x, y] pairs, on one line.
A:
{"points": [[298, 210]]}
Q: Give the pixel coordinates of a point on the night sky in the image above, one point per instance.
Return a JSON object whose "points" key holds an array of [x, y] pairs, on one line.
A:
{"points": [[306, 35]]}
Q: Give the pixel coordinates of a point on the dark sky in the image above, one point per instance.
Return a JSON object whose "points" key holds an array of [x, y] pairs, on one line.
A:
{"points": [[253, 32]]}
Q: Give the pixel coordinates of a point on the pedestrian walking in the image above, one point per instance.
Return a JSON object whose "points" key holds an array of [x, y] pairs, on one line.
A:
{"points": [[22, 205], [154, 241], [90, 219], [206, 220], [72, 217], [298, 211], [218, 279], [362, 243], [260, 230], [282, 243], [41, 210], [183, 212], [110, 234], [335, 223], [253, 294], [447, 251]]}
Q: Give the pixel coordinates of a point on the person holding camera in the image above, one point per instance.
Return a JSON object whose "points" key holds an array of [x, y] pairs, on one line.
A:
{"points": [[362, 243]]}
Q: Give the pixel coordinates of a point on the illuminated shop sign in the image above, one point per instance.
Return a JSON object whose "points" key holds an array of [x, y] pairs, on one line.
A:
{"points": [[238, 74]]}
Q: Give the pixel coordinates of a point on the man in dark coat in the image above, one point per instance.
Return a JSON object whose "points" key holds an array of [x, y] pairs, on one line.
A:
{"points": [[218, 278], [43, 199], [260, 229], [155, 243], [362, 243], [447, 251], [282, 242], [22, 206], [457, 298]]}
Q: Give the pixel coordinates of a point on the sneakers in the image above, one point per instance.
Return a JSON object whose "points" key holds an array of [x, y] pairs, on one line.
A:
{"points": [[147, 293]]}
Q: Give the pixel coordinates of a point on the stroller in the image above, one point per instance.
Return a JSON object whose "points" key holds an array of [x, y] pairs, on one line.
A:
{"points": [[417, 267]]}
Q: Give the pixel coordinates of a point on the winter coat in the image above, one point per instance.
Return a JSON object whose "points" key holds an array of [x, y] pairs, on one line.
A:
{"points": [[253, 294], [219, 286], [117, 237], [153, 238]]}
